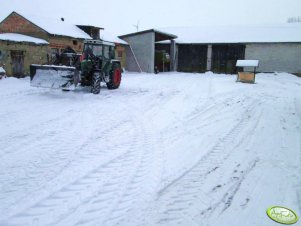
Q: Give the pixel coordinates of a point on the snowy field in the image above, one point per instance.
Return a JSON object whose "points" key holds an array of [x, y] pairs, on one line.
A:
{"points": [[167, 149]]}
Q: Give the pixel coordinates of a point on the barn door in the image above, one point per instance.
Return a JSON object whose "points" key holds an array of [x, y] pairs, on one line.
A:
{"points": [[17, 63], [192, 58], [225, 57]]}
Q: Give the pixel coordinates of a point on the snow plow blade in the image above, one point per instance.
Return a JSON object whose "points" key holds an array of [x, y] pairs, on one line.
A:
{"points": [[52, 76]]}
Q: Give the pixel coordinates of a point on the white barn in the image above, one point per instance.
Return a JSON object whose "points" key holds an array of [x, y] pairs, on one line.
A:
{"points": [[200, 49]]}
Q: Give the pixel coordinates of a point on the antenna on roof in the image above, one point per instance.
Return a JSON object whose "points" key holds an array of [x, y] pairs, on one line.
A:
{"points": [[137, 25], [62, 19]]}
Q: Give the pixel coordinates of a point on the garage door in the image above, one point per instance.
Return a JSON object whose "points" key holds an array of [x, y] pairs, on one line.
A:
{"points": [[192, 58], [224, 58]]}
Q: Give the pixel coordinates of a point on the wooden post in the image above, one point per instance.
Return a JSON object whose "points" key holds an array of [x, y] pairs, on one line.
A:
{"points": [[172, 55], [209, 58]]}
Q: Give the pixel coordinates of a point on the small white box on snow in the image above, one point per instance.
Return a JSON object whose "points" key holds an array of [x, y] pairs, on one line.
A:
{"points": [[248, 75]]}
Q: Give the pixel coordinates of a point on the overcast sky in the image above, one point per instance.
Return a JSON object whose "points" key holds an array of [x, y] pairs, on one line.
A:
{"points": [[119, 16]]}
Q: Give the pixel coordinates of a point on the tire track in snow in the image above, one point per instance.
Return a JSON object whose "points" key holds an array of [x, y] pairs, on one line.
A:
{"points": [[53, 159], [59, 153], [28, 91], [209, 120], [129, 207], [178, 196], [227, 198], [36, 132], [134, 160], [34, 120], [253, 194], [65, 201], [27, 170], [210, 115]]}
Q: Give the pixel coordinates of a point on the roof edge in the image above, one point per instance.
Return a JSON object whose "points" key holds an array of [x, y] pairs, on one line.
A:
{"points": [[228, 43], [148, 31], [41, 41]]}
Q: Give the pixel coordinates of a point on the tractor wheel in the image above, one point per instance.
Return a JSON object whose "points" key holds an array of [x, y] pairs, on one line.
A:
{"points": [[115, 78], [95, 86]]}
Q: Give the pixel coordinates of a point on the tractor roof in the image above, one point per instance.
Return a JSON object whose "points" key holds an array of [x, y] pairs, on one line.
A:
{"points": [[99, 42]]}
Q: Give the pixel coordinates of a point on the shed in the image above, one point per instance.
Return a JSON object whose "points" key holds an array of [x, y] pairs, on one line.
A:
{"points": [[18, 51], [141, 50]]}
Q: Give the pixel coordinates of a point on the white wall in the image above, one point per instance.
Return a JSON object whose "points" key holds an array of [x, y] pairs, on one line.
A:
{"points": [[143, 46], [281, 57]]}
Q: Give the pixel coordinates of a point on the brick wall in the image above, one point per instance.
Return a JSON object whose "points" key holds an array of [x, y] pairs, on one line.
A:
{"points": [[61, 42], [17, 24]]}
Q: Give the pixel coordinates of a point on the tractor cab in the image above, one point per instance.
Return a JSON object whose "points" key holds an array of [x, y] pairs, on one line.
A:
{"points": [[99, 49], [96, 54]]}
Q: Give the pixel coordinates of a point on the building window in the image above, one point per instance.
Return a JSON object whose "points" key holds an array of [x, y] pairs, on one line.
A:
{"points": [[119, 53], [54, 52], [74, 42]]}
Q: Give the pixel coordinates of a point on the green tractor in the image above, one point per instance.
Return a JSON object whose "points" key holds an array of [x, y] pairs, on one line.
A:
{"points": [[95, 65]]}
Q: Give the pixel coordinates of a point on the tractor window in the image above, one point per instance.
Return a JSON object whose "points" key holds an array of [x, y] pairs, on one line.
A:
{"points": [[112, 52], [96, 49], [106, 52]]}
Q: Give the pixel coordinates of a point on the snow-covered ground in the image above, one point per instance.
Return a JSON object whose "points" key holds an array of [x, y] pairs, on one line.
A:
{"points": [[167, 149]]}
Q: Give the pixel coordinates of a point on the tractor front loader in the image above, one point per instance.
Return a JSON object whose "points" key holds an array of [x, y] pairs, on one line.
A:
{"points": [[96, 64]]}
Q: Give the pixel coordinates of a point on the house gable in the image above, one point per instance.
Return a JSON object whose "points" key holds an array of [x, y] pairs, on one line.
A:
{"points": [[15, 23]]}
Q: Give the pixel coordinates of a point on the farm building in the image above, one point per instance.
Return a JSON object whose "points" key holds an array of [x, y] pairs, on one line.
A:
{"points": [[141, 50], [59, 34], [18, 51], [200, 49]]}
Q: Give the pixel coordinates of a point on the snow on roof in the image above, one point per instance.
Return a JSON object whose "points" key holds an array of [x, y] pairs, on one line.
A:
{"points": [[237, 34], [21, 38], [109, 37], [247, 63], [56, 26], [162, 32]]}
